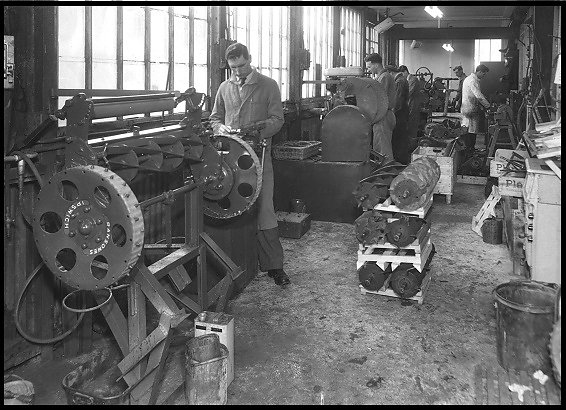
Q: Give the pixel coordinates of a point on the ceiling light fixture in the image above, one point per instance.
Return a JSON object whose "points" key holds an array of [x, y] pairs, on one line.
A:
{"points": [[448, 47], [434, 11]]}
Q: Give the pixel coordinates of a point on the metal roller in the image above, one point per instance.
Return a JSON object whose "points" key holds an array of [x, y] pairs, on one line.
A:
{"points": [[374, 189], [371, 276], [414, 185], [370, 227], [88, 227], [403, 230], [406, 280]]}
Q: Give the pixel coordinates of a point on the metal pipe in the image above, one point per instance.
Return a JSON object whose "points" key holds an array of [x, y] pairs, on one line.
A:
{"points": [[170, 130], [16, 158], [170, 195], [112, 107]]}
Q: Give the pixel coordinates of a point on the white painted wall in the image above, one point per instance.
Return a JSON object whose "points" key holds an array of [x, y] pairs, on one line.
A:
{"points": [[431, 55]]}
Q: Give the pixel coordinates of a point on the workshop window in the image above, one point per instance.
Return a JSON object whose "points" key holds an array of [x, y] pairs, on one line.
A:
{"points": [[265, 31], [372, 38], [317, 31], [487, 50], [132, 48], [351, 36]]}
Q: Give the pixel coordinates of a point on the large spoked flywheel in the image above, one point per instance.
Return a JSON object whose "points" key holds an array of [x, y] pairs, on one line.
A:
{"points": [[234, 175], [88, 227]]}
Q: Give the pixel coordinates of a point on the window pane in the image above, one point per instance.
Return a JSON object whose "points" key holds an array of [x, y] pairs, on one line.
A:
{"points": [[181, 82], [104, 31], [104, 75], [134, 75], [182, 36], [200, 12], [181, 10], [71, 31], [200, 42], [134, 34], [159, 76], [71, 74], [159, 36], [201, 79]]}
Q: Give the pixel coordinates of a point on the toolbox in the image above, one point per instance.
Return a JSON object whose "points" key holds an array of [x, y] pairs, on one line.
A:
{"points": [[293, 224]]}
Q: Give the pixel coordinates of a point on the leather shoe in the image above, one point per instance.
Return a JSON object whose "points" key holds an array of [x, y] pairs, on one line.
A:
{"points": [[279, 276]]}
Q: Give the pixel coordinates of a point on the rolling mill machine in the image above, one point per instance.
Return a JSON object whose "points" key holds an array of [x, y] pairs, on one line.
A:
{"points": [[89, 228]]}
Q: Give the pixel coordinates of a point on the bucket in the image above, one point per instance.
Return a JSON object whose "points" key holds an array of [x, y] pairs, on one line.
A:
{"points": [[524, 316], [206, 380]]}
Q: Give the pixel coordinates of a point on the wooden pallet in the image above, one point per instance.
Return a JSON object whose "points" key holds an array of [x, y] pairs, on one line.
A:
{"points": [[471, 180], [491, 386], [487, 210], [389, 206], [384, 257], [422, 236], [387, 291]]}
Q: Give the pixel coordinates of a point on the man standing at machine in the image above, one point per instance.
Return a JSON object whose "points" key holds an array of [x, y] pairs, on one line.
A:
{"points": [[247, 98], [472, 100], [383, 129], [459, 71], [400, 140]]}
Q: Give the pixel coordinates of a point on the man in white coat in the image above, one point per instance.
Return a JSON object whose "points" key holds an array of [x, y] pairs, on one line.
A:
{"points": [[472, 101]]}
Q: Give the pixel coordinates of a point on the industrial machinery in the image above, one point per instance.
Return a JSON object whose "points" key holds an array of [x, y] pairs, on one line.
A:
{"points": [[402, 229], [414, 185], [89, 225], [357, 102], [374, 189]]}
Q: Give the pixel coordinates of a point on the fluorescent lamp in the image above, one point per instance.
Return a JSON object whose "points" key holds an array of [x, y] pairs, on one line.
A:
{"points": [[448, 47], [434, 11]]}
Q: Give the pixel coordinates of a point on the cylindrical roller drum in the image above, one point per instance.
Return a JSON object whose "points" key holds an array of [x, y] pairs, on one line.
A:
{"points": [[346, 135], [414, 185], [370, 227], [371, 276], [406, 280]]}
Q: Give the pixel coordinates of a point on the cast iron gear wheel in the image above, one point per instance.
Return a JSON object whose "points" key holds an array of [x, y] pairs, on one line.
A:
{"points": [[555, 350], [88, 227], [237, 177]]}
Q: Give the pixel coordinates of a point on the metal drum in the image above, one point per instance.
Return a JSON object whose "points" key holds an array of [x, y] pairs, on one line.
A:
{"points": [[346, 135]]}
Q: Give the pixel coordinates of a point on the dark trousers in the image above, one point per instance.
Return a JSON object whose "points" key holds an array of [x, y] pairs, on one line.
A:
{"points": [[269, 249], [400, 139]]}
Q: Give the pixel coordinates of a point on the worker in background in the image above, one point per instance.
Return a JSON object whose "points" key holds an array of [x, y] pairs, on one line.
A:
{"points": [[383, 129], [248, 97], [472, 102], [416, 99], [459, 71], [400, 139]]}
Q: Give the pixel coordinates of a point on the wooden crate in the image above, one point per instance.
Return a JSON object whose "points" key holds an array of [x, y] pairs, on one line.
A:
{"points": [[384, 257], [448, 168], [512, 184], [389, 206], [387, 291]]}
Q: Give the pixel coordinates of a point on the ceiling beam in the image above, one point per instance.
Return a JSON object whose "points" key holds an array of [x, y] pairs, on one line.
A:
{"points": [[455, 33]]}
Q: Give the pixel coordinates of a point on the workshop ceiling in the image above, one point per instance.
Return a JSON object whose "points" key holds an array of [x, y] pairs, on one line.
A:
{"points": [[454, 16]]}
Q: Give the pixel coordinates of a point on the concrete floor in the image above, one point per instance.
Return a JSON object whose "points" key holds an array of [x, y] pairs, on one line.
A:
{"points": [[321, 340]]}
